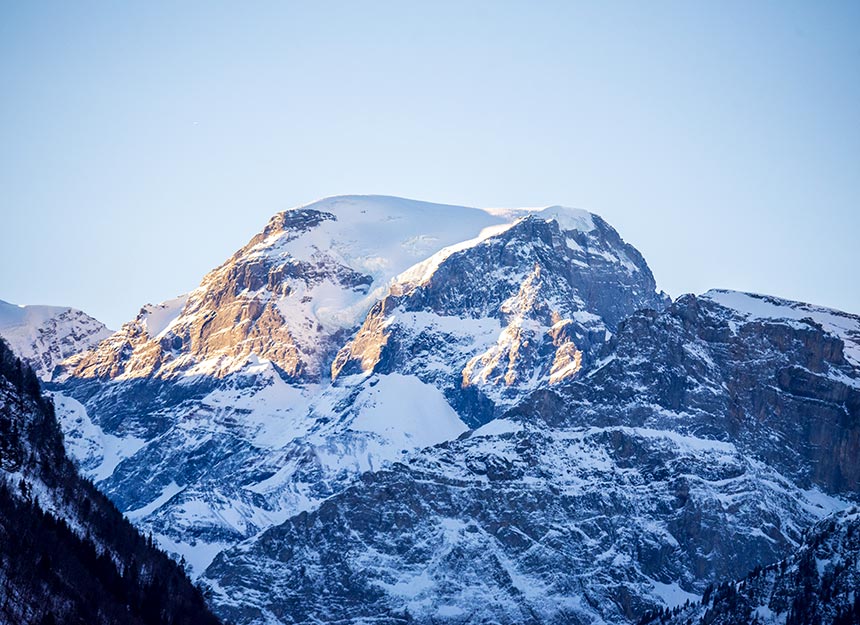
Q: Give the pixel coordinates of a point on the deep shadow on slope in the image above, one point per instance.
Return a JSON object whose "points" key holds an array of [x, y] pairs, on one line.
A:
{"points": [[102, 571]]}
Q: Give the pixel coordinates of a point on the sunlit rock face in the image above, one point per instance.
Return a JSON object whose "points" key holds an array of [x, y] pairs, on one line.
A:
{"points": [[237, 313], [282, 377]]}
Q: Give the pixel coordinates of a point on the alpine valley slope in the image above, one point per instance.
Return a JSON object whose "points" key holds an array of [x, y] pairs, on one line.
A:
{"points": [[817, 583], [66, 553], [302, 361]]}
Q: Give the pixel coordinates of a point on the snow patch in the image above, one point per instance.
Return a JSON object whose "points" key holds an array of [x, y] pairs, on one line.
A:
{"points": [[157, 318], [406, 412], [166, 495], [497, 427], [672, 594], [568, 218]]}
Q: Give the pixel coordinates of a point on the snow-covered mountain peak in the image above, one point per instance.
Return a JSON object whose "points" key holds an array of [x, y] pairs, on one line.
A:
{"points": [[309, 276], [383, 236], [568, 218], [376, 235], [13, 315], [43, 336], [518, 306]]}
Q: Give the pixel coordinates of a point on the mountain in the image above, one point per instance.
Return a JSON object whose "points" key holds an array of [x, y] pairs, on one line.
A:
{"points": [[387, 410], [817, 583], [67, 555], [779, 379], [702, 442], [218, 414], [44, 336]]}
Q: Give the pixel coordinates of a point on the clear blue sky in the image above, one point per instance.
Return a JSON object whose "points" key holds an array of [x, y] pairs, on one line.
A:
{"points": [[141, 143]]}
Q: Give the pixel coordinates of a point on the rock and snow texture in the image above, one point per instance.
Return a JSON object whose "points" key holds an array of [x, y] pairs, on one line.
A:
{"points": [[526, 526], [44, 336], [754, 306], [219, 413], [783, 389], [700, 443], [384, 409], [502, 316], [290, 293], [818, 583]]}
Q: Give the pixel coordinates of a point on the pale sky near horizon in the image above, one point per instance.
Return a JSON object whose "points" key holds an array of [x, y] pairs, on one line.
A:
{"points": [[142, 143]]}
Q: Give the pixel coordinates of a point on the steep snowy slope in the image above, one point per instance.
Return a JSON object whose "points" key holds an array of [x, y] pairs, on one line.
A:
{"points": [[66, 553], [46, 335], [701, 443], [214, 416]]}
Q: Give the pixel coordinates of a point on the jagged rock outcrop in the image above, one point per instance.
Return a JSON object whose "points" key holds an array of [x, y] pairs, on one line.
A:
{"points": [[44, 336], [701, 443], [517, 524], [779, 379], [287, 296]]}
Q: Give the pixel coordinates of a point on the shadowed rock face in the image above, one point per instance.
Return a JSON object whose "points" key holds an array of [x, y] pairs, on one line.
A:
{"points": [[780, 389], [817, 583], [525, 526]]}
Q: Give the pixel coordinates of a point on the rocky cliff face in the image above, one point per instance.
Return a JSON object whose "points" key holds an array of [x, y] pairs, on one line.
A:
{"points": [[491, 321], [44, 336], [779, 379], [520, 524]]}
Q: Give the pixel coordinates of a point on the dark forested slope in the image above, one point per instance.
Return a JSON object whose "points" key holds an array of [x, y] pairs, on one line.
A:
{"points": [[66, 553]]}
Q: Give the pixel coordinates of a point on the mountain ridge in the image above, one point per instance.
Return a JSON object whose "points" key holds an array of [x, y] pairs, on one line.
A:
{"points": [[517, 392]]}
